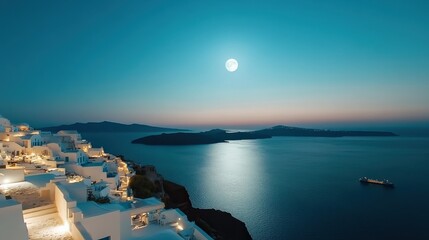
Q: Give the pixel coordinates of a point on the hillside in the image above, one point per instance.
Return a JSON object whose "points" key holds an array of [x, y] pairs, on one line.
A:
{"points": [[308, 132], [109, 127], [212, 136]]}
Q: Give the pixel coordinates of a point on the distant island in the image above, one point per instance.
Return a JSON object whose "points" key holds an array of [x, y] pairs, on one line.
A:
{"points": [[219, 135], [212, 136], [109, 127], [286, 131]]}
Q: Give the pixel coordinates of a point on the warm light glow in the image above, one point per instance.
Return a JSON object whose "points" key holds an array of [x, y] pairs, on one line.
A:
{"points": [[66, 226], [75, 179], [59, 229], [180, 227], [18, 134]]}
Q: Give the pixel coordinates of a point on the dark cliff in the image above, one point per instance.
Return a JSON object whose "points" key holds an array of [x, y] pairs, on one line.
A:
{"points": [[216, 223], [109, 127]]}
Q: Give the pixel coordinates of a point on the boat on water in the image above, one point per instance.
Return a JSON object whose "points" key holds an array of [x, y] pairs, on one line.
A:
{"points": [[385, 183]]}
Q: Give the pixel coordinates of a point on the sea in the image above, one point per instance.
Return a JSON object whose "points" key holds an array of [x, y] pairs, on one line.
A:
{"points": [[299, 187]]}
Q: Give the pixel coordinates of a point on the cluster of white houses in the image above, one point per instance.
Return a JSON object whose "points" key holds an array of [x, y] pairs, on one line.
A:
{"points": [[81, 170]]}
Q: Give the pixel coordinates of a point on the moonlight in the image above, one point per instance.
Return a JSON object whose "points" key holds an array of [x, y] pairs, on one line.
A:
{"points": [[231, 65]]}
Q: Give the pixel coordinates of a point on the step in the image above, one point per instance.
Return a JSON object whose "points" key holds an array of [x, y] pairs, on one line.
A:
{"points": [[41, 218], [30, 210], [40, 213]]}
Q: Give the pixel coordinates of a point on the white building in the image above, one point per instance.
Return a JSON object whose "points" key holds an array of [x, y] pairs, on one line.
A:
{"points": [[12, 224], [31, 140], [73, 134], [5, 125], [99, 175], [95, 152], [97, 171], [8, 147], [84, 145], [23, 127], [131, 220]]}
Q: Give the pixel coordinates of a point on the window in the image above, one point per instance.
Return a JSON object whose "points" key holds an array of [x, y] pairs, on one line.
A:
{"points": [[105, 238]]}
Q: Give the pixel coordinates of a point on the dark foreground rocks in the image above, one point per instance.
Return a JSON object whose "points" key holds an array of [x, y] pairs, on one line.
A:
{"points": [[218, 224]]}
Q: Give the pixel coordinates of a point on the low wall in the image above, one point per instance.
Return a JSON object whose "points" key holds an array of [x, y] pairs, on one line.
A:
{"points": [[79, 232]]}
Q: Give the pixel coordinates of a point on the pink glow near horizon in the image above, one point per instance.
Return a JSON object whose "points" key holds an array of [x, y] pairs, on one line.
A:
{"points": [[225, 117]]}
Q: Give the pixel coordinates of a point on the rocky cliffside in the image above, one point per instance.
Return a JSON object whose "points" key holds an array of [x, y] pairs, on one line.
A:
{"points": [[218, 224]]}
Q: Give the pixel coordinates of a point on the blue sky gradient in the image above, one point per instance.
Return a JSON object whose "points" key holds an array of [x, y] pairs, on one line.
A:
{"points": [[162, 62]]}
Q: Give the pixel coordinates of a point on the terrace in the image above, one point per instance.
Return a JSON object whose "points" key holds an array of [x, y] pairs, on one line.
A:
{"points": [[92, 164], [27, 192]]}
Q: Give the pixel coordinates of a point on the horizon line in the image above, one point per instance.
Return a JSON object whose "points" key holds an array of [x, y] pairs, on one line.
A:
{"points": [[348, 124]]}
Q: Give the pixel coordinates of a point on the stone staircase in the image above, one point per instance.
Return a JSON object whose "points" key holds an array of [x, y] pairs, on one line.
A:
{"points": [[46, 210], [45, 223]]}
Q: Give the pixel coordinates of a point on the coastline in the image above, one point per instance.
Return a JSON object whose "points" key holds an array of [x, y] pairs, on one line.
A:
{"points": [[217, 223]]}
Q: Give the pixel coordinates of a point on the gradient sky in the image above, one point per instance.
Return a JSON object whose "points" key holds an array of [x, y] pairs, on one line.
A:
{"points": [[162, 62]]}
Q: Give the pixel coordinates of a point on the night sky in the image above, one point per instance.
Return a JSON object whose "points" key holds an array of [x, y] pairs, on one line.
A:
{"points": [[163, 62]]}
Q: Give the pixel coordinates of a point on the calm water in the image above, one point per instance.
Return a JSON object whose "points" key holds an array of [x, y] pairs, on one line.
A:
{"points": [[300, 188]]}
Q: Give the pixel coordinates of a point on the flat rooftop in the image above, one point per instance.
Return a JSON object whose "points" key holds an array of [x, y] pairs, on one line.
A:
{"points": [[167, 234], [155, 232], [92, 164], [24, 192], [39, 180], [91, 209], [7, 202]]}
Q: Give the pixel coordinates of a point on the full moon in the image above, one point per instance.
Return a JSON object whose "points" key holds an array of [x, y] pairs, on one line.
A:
{"points": [[231, 65]]}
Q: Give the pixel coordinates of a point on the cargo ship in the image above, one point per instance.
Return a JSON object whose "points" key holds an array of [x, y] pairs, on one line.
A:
{"points": [[385, 183]]}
